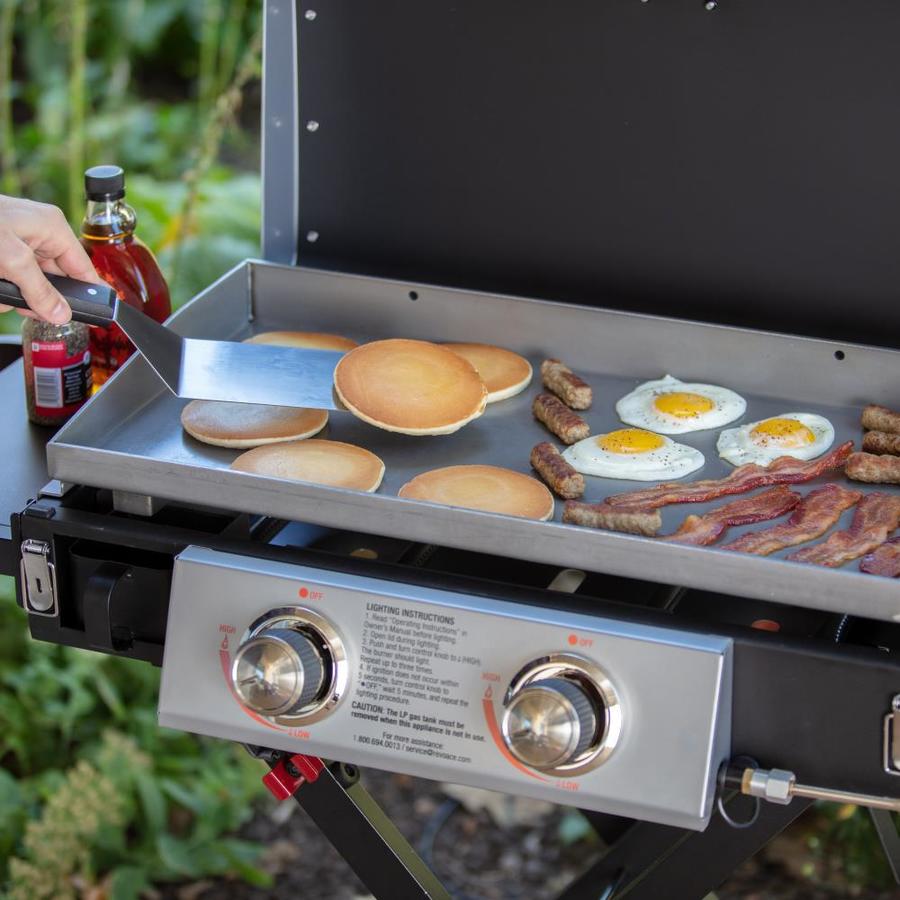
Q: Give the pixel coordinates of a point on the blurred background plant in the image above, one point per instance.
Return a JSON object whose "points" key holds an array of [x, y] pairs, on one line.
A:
{"points": [[96, 800], [168, 89]]}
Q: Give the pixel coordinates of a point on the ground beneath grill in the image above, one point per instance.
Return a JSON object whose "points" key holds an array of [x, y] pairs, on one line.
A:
{"points": [[485, 846]]}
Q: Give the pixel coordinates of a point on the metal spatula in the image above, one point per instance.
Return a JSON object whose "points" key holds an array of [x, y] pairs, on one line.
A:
{"points": [[204, 370]]}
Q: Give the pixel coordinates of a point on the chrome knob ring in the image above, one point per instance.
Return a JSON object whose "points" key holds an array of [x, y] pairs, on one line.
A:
{"points": [[291, 666], [563, 715]]}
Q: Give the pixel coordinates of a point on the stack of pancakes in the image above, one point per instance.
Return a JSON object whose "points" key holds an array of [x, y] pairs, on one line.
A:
{"points": [[406, 386], [279, 434], [411, 387]]}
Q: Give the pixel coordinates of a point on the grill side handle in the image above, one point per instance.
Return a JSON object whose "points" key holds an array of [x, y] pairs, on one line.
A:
{"points": [[92, 304]]}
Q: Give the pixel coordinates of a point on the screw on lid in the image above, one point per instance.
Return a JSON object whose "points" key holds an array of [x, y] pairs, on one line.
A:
{"points": [[104, 183]]}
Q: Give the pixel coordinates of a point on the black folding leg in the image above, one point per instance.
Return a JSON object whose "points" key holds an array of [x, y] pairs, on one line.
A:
{"points": [[890, 839], [652, 861], [643, 862], [368, 840]]}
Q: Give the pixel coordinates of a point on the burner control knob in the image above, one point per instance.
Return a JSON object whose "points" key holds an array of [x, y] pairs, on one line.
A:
{"points": [[551, 722], [278, 672]]}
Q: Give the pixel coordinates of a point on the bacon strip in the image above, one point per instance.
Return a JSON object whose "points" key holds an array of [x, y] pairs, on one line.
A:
{"points": [[817, 512], [884, 560], [784, 470], [700, 531], [877, 515]]}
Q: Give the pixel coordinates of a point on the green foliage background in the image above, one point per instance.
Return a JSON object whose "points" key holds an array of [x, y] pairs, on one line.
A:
{"points": [[148, 85], [93, 794]]}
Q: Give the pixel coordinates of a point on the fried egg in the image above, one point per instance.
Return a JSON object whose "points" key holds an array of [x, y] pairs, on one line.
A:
{"points": [[670, 406], [634, 455], [797, 434]]}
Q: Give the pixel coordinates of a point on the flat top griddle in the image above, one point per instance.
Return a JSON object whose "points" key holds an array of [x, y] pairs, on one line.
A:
{"points": [[129, 437]]}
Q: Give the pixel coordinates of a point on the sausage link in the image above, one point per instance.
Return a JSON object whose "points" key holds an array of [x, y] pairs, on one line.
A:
{"points": [[873, 469], [881, 442], [598, 515], [562, 478], [880, 418], [569, 427], [562, 381]]}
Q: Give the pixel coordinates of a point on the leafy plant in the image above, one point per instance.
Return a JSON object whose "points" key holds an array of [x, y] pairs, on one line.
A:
{"points": [[57, 846], [89, 777], [92, 792], [845, 845], [125, 65], [9, 181], [155, 87], [77, 97], [225, 109]]}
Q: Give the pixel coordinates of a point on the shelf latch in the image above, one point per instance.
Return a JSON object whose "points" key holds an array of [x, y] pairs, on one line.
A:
{"points": [[38, 578], [892, 738]]}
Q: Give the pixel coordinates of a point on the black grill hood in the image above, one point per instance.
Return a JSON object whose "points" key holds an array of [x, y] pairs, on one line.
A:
{"points": [[739, 164]]}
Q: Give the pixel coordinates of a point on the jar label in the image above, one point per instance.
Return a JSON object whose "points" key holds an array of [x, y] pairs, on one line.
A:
{"points": [[62, 383]]}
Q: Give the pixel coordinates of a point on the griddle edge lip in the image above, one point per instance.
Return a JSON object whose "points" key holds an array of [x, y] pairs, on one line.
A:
{"points": [[623, 555]]}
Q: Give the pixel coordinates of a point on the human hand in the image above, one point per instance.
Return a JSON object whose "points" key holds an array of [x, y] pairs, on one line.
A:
{"points": [[35, 238]]}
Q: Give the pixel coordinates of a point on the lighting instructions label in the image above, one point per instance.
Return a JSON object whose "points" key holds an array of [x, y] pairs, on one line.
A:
{"points": [[408, 696]]}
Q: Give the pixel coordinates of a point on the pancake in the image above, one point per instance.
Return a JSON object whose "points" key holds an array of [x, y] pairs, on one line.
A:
{"points": [[487, 488], [243, 425], [320, 462], [503, 372], [309, 340], [410, 386]]}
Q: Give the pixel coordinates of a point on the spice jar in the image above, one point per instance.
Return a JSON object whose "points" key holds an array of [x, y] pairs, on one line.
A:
{"points": [[57, 362]]}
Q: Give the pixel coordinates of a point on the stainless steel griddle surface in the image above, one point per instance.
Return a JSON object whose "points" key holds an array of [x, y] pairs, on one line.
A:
{"points": [[503, 436], [130, 438]]}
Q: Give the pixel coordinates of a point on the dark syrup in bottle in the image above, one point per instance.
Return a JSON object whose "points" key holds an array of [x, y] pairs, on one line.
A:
{"points": [[122, 260]]}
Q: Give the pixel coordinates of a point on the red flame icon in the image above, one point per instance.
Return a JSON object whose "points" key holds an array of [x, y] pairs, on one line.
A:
{"points": [[488, 693], [224, 644]]}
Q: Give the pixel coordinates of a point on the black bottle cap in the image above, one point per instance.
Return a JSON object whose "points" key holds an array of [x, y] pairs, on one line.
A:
{"points": [[104, 183]]}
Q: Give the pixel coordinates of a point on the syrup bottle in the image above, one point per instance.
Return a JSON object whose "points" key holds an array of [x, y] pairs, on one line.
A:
{"points": [[122, 260]]}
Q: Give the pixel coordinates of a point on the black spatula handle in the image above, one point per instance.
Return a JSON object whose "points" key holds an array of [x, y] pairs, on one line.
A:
{"points": [[93, 304]]}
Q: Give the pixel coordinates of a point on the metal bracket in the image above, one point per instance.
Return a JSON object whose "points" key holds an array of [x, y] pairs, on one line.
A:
{"points": [[38, 578], [136, 504], [56, 489], [891, 744]]}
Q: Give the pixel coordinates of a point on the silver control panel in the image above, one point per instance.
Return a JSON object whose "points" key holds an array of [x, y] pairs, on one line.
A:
{"points": [[628, 719]]}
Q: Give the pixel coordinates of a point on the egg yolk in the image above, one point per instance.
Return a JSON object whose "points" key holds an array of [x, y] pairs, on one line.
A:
{"points": [[782, 432], [683, 404], [630, 440]]}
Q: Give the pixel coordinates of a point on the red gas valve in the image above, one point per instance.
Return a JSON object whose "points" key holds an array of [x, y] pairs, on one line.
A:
{"points": [[290, 772]]}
